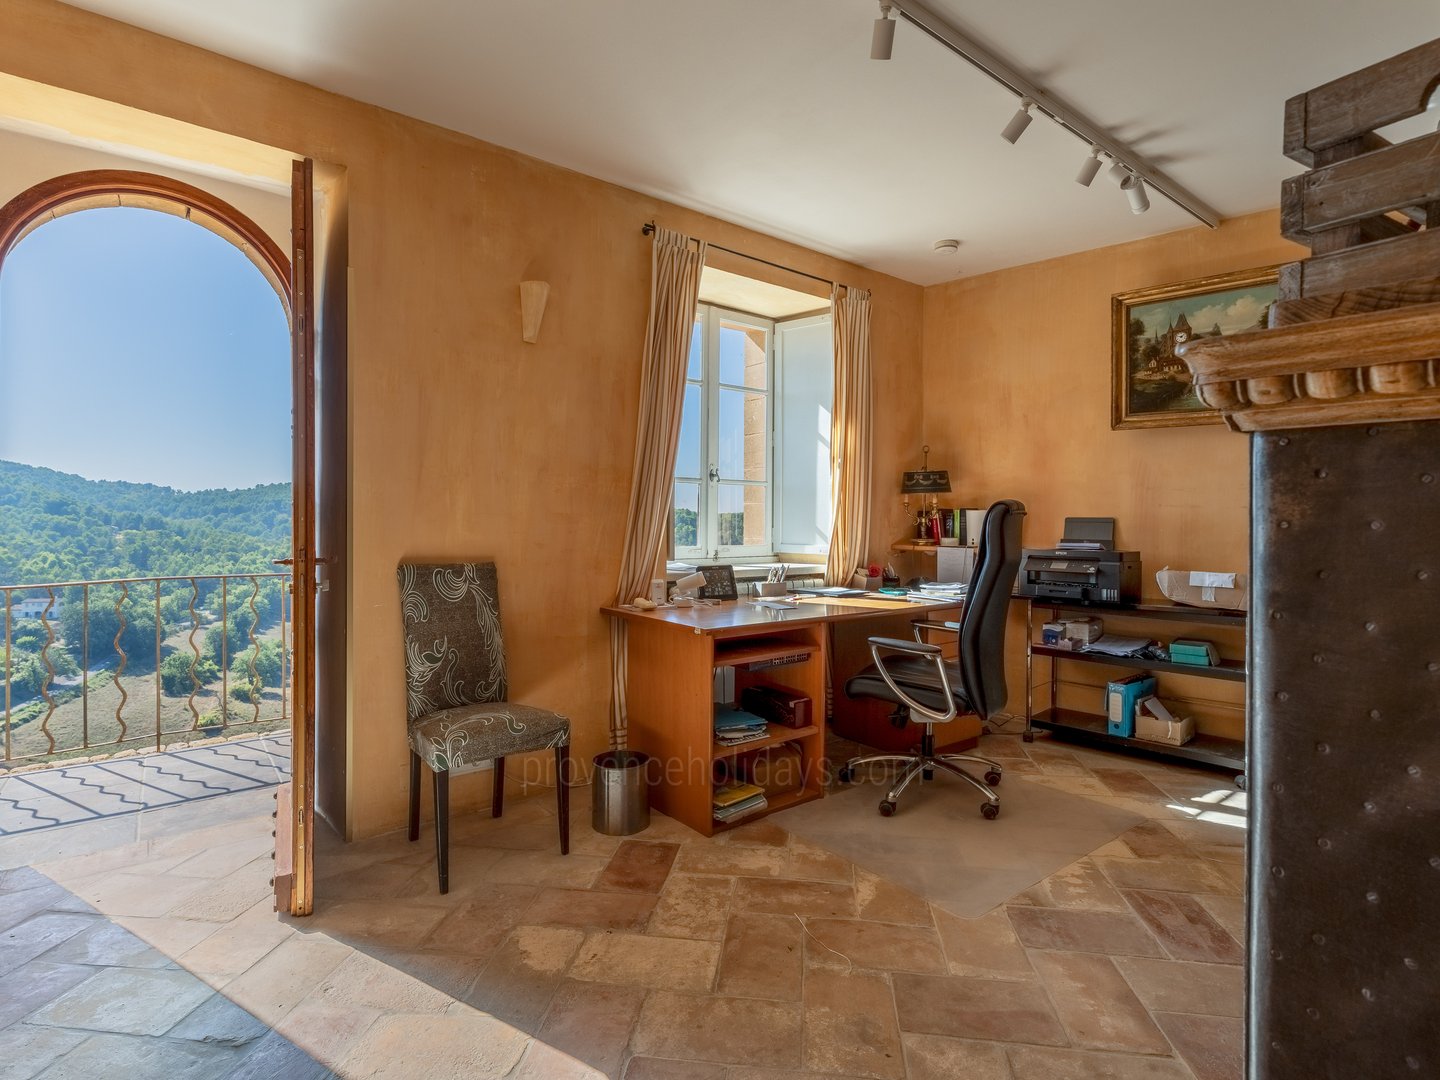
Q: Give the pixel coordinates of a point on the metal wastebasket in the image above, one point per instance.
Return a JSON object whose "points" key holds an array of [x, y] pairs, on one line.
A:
{"points": [[622, 793]]}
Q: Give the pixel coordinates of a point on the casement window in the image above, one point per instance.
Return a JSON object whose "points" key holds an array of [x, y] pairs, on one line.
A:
{"points": [[752, 471]]}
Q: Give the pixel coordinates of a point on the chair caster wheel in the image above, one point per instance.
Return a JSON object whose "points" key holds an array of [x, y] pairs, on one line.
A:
{"points": [[1028, 736], [992, 778], [989, 811], [1240, 781], [887, 808], [927, 774], [845, 774]]}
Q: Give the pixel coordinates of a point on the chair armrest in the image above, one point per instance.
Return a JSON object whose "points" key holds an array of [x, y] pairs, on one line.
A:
{"points": [[922, 625], [914, 648], [931, 653]]}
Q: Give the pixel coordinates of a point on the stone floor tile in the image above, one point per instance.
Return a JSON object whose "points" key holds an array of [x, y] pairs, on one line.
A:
{"points": [[109, 945], [571, 871], [285, 976], [1071, 785], [1229, 912], [34, 985], [1213, 1046], [1043, 1063], [693, 906], [731, 860], [221, 860], [1096, 1005], [232, 895], [598, 910], [986, 947], [762, 957], [126, 1002], [480, 920], [544, 1062], [653, 1068], [1184, 927], [1174, 875], [451, 973], [1115, 932], [1115, 849], [136, 1056], [468, 1044], [810, 862], [755, 834], [1194, 831], [935, 1057], [1152, 840], [121, 893], [378, 881], [519, 980], [1055, 762], [219, 1020], [173, 937], [880, 946], [880, 900], [638, 960], [1127, 782], [39, 934], [18, 905], [1079, 885], [26, 1050], [326, 1032], [850, 1026], [592, 1023], [377, 922], [362, 980], [232, 949], [808, 899], [638, 866], [1175, 986], [741, 1031], [275, 1056], [985, 1009]]}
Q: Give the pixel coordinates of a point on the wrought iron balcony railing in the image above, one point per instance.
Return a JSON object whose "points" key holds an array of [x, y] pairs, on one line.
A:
{"points": [[83, 659]]}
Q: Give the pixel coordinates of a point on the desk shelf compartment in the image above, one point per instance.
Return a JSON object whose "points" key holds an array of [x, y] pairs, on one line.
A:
{"points": [[778, 735], [1091, 728]]}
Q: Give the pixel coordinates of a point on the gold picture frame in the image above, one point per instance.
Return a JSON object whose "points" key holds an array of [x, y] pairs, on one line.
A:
{"points": [[1149, 384]]}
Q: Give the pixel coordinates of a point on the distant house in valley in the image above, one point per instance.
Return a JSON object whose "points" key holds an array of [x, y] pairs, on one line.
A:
{"points": [[34, 608]]}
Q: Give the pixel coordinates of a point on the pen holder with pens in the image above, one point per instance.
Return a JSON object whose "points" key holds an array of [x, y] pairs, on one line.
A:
{"points": [[771, 588]]}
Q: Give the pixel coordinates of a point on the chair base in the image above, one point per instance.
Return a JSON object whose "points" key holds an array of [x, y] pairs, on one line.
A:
{"points": [[497, 805], [923, 763]]}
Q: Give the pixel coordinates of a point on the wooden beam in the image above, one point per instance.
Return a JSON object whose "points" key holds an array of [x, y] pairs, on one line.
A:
{"points": [[1386, 262], [1353, 191], [1354, 302]]}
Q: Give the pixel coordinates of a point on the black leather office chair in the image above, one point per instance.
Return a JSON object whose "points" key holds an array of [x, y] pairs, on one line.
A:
{"points": [[928, 689]]}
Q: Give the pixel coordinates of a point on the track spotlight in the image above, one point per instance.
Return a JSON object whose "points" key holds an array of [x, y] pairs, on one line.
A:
{"points": [[1118, 172], [1089, 169], [1019, 122], [882, 38], [1134, 189]]}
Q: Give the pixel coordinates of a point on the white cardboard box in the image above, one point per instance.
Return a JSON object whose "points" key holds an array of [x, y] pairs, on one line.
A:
{"points": [[1154, 723]]}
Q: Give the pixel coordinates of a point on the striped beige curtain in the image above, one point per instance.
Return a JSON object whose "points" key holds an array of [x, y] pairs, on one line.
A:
{"points": [[850, 436], [674, 290]]}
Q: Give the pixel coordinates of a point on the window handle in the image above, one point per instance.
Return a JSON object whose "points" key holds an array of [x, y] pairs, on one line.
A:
{"points": [[714, 473]]}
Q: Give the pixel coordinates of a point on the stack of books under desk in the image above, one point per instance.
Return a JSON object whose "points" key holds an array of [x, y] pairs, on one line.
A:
{"points": [[736, 800]]}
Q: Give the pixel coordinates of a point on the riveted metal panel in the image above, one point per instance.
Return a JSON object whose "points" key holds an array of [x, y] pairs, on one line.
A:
{"points": [[1344, 763]]}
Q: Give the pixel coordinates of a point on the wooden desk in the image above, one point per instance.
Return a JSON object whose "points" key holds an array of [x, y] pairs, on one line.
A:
{"points": [[673, 654]]}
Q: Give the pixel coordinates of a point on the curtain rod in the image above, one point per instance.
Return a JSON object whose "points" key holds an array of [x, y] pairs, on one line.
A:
{"points": [[649, 227]]}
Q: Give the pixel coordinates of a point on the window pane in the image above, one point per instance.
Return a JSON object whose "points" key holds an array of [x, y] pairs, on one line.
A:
{"points": [[804, 382], [686, 516], [744, 435], [687, 454], [697, 333], [743, 356], [743, 516]]}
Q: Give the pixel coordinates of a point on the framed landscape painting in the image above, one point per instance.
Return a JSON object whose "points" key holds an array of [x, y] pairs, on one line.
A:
{"points": [[1150, 385]]}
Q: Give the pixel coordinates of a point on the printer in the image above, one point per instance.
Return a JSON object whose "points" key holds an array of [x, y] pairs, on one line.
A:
{"points": [[1083, 567]]}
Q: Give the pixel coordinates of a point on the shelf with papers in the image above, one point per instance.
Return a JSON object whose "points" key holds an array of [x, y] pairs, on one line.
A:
{"points": [[778, 733], [1233, 670], [781, 801]]}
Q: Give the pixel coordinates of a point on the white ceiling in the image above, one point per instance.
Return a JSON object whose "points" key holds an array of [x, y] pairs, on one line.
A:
{"points": [[769, 112]]}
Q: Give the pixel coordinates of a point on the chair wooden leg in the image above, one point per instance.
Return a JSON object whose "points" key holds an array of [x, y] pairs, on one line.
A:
{"points": [[414, 796], [497, 792], [562, 795], [442, 828]]}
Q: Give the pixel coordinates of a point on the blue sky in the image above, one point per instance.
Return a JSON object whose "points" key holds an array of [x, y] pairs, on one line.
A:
{"points": [[137, 346]]}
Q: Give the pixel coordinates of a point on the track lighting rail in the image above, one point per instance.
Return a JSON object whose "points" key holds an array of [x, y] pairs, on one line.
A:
{"points": [[967, 48]]}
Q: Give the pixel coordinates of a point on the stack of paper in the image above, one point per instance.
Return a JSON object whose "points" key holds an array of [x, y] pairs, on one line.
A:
{"points": [[735, 726], [736, 800]]}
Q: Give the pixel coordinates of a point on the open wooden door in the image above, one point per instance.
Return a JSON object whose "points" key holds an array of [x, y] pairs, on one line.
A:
{"points": [[295, 801]]}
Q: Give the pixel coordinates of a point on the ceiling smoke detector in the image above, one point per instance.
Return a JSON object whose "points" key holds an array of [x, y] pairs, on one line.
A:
{"points": [[947, 247]]}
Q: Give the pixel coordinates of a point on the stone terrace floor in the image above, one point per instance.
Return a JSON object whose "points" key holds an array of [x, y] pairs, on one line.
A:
{"points": [[153, 950]]}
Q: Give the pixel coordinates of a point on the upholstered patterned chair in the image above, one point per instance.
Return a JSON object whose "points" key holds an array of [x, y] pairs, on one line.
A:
{"points": [[458, 717]]}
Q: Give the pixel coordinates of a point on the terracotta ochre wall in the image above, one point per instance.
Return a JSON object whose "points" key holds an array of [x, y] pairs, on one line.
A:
{"points": [[1017, 405], [465, 442]]}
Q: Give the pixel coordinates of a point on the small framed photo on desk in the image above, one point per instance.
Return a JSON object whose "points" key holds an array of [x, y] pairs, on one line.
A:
{"points": [[719, 583]]}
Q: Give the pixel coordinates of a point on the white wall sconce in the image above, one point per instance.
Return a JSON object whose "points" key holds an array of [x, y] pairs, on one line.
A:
{"points": [[533, 295]]}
